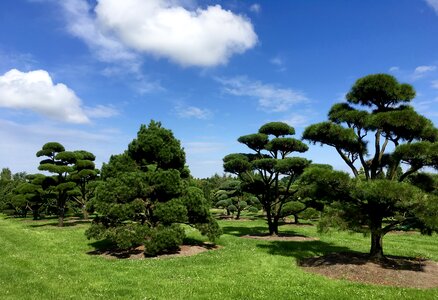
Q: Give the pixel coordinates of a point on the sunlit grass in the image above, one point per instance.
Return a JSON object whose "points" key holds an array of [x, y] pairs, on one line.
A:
{"points": [[40, 261]]}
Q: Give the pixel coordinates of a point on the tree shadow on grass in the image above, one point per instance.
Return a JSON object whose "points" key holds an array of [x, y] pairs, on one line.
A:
{"points": [[109, 249], [67, 223], [242, 230], [323, 254], [301, 249]]}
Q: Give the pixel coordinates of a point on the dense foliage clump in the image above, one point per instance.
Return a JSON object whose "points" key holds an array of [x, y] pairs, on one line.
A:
{"points": [[145, 196], [385, 143]]}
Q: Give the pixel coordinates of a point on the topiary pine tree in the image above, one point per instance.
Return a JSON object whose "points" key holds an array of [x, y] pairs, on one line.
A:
{"points": [[84, 174], [269, 173], [60, 163], [375, 142], [34, 194], [144, 196], [233, 198]]}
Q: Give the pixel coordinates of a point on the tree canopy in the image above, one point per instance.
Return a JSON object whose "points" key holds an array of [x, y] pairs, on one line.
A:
{"points": [[269, 173], [383, 141], [145, 196]]}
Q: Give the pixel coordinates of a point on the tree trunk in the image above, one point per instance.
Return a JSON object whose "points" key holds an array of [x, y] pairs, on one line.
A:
{"points": [[296, 219], [238, 214], [84, 213], [376, 252], [61, 213]]}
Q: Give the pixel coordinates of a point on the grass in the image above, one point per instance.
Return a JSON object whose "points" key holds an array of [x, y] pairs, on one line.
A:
{"points": [[41, 261]]}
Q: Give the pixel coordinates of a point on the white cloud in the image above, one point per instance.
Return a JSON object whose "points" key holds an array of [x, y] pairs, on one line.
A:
{"points": [[435, 84], [422, 71], [255, 8], [36, 91], [276, 61], [433, 4], [297, 120], [101, 111], [394, 69], [189, 112], [270, 97], [81, 24], [118, 30], [427, 107]]}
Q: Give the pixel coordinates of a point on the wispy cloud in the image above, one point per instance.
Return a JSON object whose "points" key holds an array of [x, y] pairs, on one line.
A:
{"points": [[255, 8], [271, 98], [433, 4], [101, 111], [297, 120], [434, 84], [192, 112], [422, 71], [162, 28], [279, 63], [394, 69], [429, 108]]}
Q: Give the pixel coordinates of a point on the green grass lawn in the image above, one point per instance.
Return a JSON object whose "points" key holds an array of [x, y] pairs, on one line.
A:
{"points": [[41, 261]]}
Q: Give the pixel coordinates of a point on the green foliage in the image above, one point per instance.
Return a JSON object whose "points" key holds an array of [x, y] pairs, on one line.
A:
{"points": [[381, 91], [232, 197], [376, 195], [164, 238], [277, 129], [145, 195], [269, 174]]}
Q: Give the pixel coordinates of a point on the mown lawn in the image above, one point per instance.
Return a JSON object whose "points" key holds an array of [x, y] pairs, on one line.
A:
{"points": [[41, 261]]}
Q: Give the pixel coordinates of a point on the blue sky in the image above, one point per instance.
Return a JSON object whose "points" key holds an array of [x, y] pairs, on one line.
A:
{"points": [[88, 73]]}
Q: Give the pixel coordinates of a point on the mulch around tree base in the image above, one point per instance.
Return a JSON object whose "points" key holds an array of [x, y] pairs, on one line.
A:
{"points": [[279, 237], [393, 271], [138, 252]]}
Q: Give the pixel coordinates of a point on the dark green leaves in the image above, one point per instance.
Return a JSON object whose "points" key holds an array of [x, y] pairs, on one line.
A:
{"points": [[277, 129], [157, 145], [334, 135], [380, 90], [256, 141]]}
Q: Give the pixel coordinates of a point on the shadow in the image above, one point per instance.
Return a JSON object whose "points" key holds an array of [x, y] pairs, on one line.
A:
{"points": [[301, 249], [109, 249], [67, 223], [357, 258], [242, 230]]}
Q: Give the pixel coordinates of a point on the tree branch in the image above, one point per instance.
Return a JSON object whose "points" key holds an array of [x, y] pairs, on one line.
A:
{"points": [[348, 162]]}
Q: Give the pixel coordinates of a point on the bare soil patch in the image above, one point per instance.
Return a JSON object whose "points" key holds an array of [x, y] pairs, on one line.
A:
{"points": [[138, 252], [394, 271], [279, 237]]}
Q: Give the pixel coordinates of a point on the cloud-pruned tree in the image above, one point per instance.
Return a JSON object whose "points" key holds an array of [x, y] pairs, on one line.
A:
{"points": [[383, 141], [60, 163], [144, 197], [232, 197], [269, 173]]}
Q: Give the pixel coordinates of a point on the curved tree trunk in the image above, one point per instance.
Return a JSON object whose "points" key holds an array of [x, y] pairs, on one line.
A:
{"points": [[296, 220]]}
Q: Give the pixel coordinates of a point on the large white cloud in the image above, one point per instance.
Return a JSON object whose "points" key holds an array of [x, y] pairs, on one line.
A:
{"points": [[36, 91], [164, 28]]}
